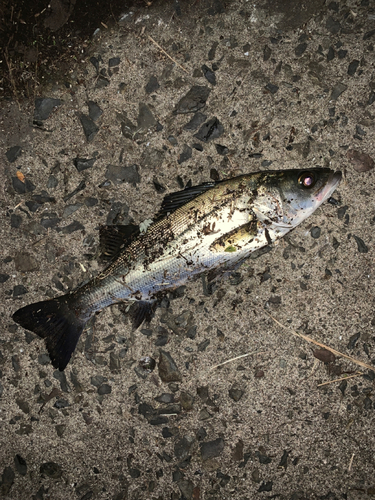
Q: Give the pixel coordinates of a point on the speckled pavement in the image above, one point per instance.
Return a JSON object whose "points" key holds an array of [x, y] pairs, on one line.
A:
{"points": [[287, 85]]}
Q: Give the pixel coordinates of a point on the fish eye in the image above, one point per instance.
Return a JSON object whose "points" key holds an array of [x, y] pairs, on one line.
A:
{"points": [[307, 180]]}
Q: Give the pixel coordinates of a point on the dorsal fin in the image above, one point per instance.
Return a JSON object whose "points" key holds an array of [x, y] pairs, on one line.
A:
{"points": [[113, 239], [175, 200]]}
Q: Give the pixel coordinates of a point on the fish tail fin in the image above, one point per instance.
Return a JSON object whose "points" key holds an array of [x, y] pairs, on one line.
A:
{"points": [[59, 322]]}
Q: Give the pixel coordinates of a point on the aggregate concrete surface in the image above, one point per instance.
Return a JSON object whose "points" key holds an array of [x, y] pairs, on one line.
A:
{"points": [[286, 84]]}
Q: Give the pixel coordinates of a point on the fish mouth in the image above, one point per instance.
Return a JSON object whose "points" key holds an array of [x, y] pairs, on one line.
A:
{"points": [[330, 186]]}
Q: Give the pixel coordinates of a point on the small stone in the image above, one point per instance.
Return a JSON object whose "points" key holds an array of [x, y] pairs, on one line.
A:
{"points": [[186, 400], [211, 449], [13, 153], [362, 162], [51, 469], [20, 464], [61, 377], [172, 140], [44, 107], [146, 119], [70, 209], [15, 221], [235, 393], [187, 488], [118, 174], [185, 155], [362, 247], [196, 121], [114, 61], [315, 232], [272, 88], [95, 112], [19, 290], [83, 163], [44, 359], [104, 389], [330, 54], [71, 228], [22, 187], [266, 53], [7, 480], [152, 85], [210, 130], [265, 486], [61, 403], [333, 26], [324, 355], [183, 446], [342, 53], [353, 67], [4, 278], [89, 127], [168, 371], [60, 429], [222, 150], [209, 74], [193, 101], [97, 380], [165, 398], [300, 49], [337, 90], [353, 340]]}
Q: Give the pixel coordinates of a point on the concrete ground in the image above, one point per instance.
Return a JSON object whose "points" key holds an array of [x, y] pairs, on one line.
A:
{"points": [[293, 86]]}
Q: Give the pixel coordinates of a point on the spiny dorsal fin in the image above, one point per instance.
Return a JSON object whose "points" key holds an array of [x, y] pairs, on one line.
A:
{"points": [[175, 200], [113, 239]]}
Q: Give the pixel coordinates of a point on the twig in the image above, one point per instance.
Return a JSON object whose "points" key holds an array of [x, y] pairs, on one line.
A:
{"points": [[312, 341], [234, 359], [11, 78], [351, 463], [357, 374], [171, 58]]}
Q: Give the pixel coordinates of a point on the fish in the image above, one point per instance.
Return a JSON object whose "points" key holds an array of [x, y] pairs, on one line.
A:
{"points": [[207, 228]]}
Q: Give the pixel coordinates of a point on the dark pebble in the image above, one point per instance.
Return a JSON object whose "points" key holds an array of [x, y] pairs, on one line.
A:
{"points": [[114, 61], [44, 107], [362, 162], [185, 154], [61, 403], [7, 480], [147, 364], [13, 153], [118, 174], [95, 112], [343, 385], [71, 228], [335, 243], [168, 371], [332, 25], [44, 359], [272, 88], [342, 53], [353, 67], [210, 130], [91, 202], [284, 460], [15, 221], [203, 345], [165, 398], [324, 355], [159, 187], [134, 473], [19, 290], [159, 420], [83, 163], [186, 400], [353, 340], [235, 393], [197, 146], [266, 53], [300, 49], [145, 119], [22, 187], [183, 446], [371, 98], [193, 101], [187, 488], [263, 459], [369, 34], [266, 486], [33, 206], [330, 54], [222, 150], [102, 82], [4, 278], [342, 211], [315, 232], [21, 466], [50, 222], [172, 140], [51, 469], [89, 127], [61, 377], [70, 209], [337, 90], [362, 247], [94, 61], [196, 121], [209, 74], [152, 85], [211, 449], [104, 389], [97, 380]]}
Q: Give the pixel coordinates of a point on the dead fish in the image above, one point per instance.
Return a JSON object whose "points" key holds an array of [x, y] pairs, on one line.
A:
{"points": [[198, 229]]}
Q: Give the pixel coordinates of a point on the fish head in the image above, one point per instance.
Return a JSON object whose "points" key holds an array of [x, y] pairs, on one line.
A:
{"points": [[286, 198]]}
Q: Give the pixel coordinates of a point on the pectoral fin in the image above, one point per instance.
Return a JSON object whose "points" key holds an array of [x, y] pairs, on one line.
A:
{"points": [[236, 239], [113, 239]]}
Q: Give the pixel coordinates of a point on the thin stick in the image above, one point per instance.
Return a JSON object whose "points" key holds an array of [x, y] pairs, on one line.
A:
{"points": [[234, 359], [312, 341], [171, 58], [357, 374], [351, 463]]}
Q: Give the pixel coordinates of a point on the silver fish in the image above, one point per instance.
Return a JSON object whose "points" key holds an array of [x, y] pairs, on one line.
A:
{"points": [[196, 230]]}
